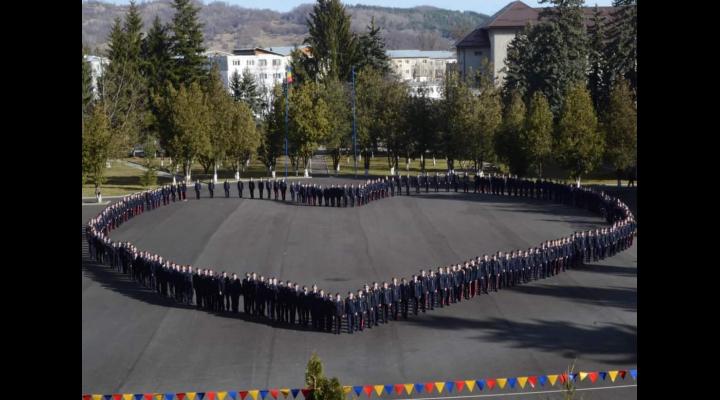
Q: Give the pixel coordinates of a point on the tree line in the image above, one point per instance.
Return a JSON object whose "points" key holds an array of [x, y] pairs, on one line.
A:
{"points": [[569, 97]]}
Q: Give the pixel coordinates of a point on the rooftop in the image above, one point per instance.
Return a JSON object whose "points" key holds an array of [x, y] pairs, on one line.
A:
{"points": [[419, 54]]}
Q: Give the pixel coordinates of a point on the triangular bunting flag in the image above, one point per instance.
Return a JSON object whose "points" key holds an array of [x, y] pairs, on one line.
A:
{"points": [[107, 397], [305, 392], [388, 389], [552, 379], [253, 394], [602, 374], [293, 391], [285, 392], [200, 395], [450, 385], [191, 395], [419, 387], [460, 385], [501, 382], [368, 390], [563, 378], [512, 382], [159, 396], [233, 394], [148, 396], [490, 384], [274, 393], [573, 377], [263, 393], [480, 384], [613, 375], [399, 388], [125, 397], [592, 376], [97, 397], [470, 384], [210, 395], [583, 375], [633, 373], [357, 390], [169, 396], [244, 393], [347, 389], [439, 386], [116, 396], [180, 396], [532, 380], [221, 395], [379, 389], [623, 373], [409, 388], [87, 397], [542, 379], [429, 387], [522, 380]]}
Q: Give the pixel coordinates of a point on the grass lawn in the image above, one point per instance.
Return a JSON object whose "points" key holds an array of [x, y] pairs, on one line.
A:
{"points": [[120, 179]]}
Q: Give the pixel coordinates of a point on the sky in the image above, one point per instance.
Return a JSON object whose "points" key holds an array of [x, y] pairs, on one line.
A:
{"points": [[488, 7]]}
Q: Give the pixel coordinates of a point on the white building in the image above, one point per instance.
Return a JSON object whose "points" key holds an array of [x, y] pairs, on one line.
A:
{"points": [[491, 39], [97, 66], [267, 67], [424, 71]]}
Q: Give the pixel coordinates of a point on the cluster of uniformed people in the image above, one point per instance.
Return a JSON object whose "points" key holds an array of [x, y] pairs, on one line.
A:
{"points": [[287, 302]]}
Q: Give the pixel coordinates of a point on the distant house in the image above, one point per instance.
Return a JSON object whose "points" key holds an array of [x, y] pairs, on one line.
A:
{"points": [[97, 67], [491, 39]]}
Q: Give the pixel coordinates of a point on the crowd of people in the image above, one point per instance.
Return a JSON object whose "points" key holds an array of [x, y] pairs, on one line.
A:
{"points": [[289, 303]]}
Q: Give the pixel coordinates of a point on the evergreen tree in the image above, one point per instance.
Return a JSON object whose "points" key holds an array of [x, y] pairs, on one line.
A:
{"points": [[598, 63], [368, 100], [244, 138], [272, 142], [509, 142], [187, 45], [620, 127], [391, 122], [459, 118], [308, 121], [371, 49], [245, 89], [488, 115], [421, 116], [96, 140], [336, 96], [334, 47], [87, 89], [157, 57], [536, 138], [220, 111], [235, 79], [321, 388], [622, 46], [578, 142]]}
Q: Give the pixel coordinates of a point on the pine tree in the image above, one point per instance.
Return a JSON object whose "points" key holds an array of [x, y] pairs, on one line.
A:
{"points": [[488, 114], [421, 121], [321, 388], [368, 100], [578, 142], [334, 47], [458, 121], [157, 57], [244, 137], [187, 44], [87, 89], [96, 141], [508, 144], [622, 46], [620, 127], [536, 137], [336, 96], [371, 49], [245, 89], [272, 140], [598, 63], [235, 85], [220, 111]]}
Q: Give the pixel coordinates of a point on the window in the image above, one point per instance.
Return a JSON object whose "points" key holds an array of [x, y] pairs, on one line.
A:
{"points": [[424, 61], [250, 62], [277, 76], [276, 62], [478, 53], [262, 63], [263, 76], [407, 61]]}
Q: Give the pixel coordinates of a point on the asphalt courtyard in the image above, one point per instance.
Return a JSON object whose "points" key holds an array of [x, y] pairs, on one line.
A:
{"points": [[135, 342]]}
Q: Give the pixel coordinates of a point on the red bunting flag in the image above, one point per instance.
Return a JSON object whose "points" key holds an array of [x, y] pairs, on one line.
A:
{"points": [[429, 387], [243, 394], [459, 385], [148, 396], [305, 392], [622, 373], [563, 377], [274, 393], [87, 397], [593, 376], [180, 396], [117, 396], [210, 395], [368, 390], [490, 383], [399, 388], [532, 380]]}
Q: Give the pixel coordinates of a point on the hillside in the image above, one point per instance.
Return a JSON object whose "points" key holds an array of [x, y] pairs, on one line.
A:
{"points": [[227, 26]]}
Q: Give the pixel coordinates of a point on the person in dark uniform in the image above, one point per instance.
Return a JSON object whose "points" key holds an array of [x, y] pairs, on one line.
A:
{"points": [[283, 189], [261, 187], [395, 297], [276, 188], [240, 188], [251, 187], [407, 186], [385, 302], [423, 281], [351, 312], [172, 192], [339, 310], [211, 188], [405, 296], [268, 186], [225, 291], [234, 289], [432, 289], [183, 190], [198, 186], [226, 186]]}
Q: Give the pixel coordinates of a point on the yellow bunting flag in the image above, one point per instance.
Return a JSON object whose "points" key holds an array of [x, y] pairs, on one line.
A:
{"points": [[522, 380], [583, 375], [613, 375], [190, 395], [285, 392], [159, 396], [470, 384], [221, 395], [439, 386], [254, 394], [379, 389], [501, 382], [97, 397], [128, 396], [409, 388], [347, 389], [552, 379]]}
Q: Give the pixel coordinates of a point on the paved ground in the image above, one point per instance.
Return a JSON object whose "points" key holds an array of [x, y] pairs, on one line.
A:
{"points": [[134, 341]]}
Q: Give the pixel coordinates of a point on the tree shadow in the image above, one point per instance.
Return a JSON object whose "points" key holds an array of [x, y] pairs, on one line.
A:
{"points": [[610, 343], [609, 269], [618, 297]]}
